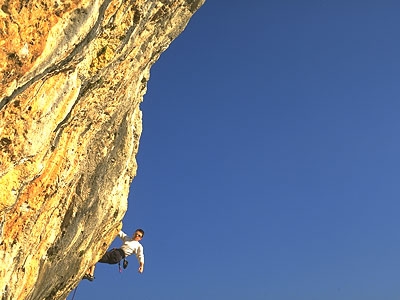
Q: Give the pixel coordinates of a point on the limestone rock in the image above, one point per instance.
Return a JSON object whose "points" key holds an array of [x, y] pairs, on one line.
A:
{"points": [[73, 74]]}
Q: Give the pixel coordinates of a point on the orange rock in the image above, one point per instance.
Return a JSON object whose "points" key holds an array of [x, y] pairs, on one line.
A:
{"points": [[72, 75]]}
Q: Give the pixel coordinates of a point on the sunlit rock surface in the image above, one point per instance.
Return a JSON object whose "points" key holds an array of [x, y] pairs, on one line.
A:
{"points": [[73, 74]]}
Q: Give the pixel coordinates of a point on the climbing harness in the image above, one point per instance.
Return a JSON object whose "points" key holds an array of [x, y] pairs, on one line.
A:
{"points": [[124, 265]]}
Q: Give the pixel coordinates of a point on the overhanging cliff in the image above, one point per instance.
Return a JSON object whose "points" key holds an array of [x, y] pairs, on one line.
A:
{"points": [[73, 74]]}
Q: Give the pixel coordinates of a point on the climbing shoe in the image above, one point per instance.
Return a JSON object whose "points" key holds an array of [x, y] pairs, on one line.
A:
{"points": [[88, 277]]}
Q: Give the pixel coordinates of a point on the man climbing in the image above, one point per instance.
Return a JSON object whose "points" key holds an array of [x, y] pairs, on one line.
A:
{"points": [[130, 246]]}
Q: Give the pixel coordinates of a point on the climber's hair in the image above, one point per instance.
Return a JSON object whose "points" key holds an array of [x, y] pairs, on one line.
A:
{"points": [[141, 231]]}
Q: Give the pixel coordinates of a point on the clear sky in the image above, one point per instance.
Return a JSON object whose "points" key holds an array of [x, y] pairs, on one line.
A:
{"points": [[269, 163]]}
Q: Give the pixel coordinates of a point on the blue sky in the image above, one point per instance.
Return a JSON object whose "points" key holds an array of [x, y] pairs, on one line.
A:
{"points": [[269, 161]]}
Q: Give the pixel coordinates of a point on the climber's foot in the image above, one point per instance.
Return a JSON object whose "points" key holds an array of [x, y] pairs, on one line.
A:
{"points": [[88, 277]]}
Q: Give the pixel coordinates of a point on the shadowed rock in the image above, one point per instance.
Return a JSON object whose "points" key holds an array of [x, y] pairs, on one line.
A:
{"points": [[73, 74]]}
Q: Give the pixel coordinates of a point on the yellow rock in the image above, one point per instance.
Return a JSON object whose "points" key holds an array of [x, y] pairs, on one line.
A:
{"points": [[72, 74]]}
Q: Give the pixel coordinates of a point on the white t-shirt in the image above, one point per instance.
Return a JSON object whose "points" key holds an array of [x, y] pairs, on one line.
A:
{"points": [[131, 246]]}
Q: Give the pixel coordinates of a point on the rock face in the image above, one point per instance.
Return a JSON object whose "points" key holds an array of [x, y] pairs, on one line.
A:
{"points": [[73, 74]]}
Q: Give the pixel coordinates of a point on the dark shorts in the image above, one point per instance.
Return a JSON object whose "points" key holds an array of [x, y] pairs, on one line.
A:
{"points": [[113, 256]]}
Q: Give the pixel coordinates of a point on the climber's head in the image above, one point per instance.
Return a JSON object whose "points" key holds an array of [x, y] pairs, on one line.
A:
{"points": [[138, 235]]}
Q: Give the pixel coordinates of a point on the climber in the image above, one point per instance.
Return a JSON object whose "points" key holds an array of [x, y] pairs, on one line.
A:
{"points": [[130, 246]]}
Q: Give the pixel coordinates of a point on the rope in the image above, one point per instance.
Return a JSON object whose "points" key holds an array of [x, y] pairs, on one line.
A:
{"points": [[73, 295]]}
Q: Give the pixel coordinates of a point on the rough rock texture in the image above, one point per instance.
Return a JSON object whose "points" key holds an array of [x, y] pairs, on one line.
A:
{"points": [[73, 74]]}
